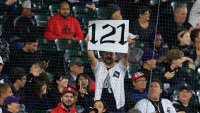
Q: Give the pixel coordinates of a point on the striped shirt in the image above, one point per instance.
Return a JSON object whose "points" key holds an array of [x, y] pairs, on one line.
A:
{"points": [[117, 74]]}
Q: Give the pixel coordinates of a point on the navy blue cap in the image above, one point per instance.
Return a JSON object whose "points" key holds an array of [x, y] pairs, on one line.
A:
{"points": [[10, 99], [185, 87]]}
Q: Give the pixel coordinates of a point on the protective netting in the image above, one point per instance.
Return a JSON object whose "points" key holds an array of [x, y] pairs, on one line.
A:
{"points": [[44, 52]]}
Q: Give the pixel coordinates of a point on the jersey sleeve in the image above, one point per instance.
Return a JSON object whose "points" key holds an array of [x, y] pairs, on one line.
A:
{"points": [[96, 67], [122, 67]]}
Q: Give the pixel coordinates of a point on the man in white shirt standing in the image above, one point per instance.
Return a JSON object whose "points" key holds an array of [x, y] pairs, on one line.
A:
{"points": [[109, 77], [154, 103]]}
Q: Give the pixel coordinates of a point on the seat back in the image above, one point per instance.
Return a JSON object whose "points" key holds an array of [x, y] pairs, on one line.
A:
{"points": [[102, 13], [53, 9]]}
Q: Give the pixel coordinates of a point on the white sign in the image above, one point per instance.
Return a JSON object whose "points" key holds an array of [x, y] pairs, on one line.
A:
{"points": [[109, 35]]}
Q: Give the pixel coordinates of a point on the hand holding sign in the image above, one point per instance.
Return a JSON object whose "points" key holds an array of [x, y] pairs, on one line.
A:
{"points": [[109, 35]]}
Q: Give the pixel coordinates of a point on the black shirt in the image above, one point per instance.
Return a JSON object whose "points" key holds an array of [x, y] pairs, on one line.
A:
{"points": [[169, 31], [180, 107], [24, 59], [145, 34]]}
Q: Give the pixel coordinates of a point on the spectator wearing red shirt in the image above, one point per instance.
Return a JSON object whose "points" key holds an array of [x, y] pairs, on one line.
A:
{"points": [[68, 100], [62, 25]]}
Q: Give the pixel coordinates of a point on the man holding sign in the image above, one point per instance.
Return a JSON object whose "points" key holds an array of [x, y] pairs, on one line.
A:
{"points": [[109, 76]]}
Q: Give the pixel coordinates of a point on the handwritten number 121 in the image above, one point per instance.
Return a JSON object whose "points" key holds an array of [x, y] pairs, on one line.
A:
{"points": [[113, 31]]}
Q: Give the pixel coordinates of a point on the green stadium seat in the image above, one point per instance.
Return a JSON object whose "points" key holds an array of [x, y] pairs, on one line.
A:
{"points": [[198, 94], [43, 2], [133, 69], [84, 23], [160, 68], [1, 28], [194, 101], [70, 53], [102, 13], [65, 44], [53, 9], [193, 75], [41, 20], [46, 45], [20, 1], [139, 44], [81, 12], [41, 9], [153, 2], [175, 95]]}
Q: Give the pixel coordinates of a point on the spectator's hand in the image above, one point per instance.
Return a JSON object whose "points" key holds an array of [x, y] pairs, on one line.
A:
{"points": [[130, 41], [44, 89], [46, 64], [169, 75], [198, 51], [10, 2], [188, 59], [83, 91], [91, 6]]}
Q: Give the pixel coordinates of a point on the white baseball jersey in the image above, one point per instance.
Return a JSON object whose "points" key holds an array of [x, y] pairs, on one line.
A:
{"points": [[145, 106], [117, 74]]}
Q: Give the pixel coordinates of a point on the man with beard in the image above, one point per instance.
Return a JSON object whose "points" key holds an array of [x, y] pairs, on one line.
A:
{"points": [[62, 25], [67, 105], [109, 76]]}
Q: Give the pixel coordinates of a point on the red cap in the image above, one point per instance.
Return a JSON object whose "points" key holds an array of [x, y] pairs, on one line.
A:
{"points": [[69, 90], [138, 75]]}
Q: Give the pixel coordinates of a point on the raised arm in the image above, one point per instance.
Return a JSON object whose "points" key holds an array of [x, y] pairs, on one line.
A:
{"points": [[124, 59], [91, 54]]}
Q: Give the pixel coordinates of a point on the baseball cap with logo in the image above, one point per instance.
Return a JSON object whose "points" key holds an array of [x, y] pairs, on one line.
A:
{"points": [[69, 90], [1, 60], [138, 75], [185, 87]]}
